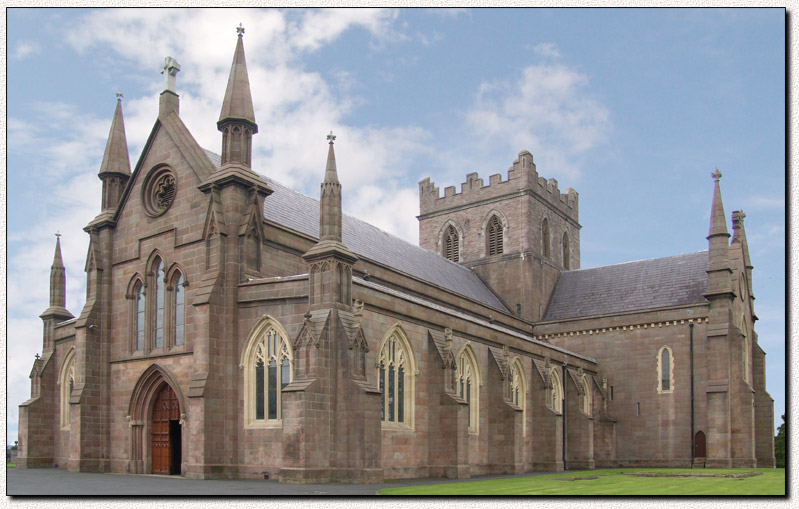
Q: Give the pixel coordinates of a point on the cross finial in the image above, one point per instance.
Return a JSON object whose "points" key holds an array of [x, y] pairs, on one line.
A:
{"points": [[240, 30], [169, 70], [58, 233], [37, 356], [331, 137], [119, 96], [716, 175]]}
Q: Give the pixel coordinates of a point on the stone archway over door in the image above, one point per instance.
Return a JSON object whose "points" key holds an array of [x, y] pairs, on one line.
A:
{"points": [[165, 432], [700, 446]]}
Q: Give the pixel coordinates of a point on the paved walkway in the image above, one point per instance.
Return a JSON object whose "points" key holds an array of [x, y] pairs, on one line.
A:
{"points": [[57, 481]]}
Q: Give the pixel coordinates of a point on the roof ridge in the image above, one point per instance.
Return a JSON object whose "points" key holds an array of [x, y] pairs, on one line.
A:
{"points": [[379, 246], [636, 261]]}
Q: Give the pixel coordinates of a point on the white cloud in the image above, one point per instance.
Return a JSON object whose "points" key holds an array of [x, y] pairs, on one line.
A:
{"points": [[294, 108], [546, 50], [25, 49], [548, 106]]}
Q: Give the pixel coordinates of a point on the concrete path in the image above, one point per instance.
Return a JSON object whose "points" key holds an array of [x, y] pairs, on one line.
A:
{"points": [[57, 481]]}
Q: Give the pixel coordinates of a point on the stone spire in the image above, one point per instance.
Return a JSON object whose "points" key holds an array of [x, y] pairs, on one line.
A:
{"points": [[330, 202], [115, 168], [718, 222], [739, 237], [330, 248], [237, 118], [718, 248], [58, 287]]}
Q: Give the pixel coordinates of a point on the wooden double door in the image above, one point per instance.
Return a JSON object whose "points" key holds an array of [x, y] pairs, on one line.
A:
{"points": [[166, 433]]}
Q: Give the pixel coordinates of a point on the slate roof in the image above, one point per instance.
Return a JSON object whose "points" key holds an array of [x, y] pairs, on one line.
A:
{"points": [[633, 286], [301, 213]]}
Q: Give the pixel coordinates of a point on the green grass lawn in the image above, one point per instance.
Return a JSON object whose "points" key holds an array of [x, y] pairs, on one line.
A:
{"points": [[611, 482]]}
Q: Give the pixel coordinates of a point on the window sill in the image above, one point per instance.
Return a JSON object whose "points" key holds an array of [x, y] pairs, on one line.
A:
{"points": [[273, 424], [395, 426]]}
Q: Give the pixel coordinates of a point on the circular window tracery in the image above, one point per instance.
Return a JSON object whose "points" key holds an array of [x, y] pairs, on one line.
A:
{"points": [[159, 191]]}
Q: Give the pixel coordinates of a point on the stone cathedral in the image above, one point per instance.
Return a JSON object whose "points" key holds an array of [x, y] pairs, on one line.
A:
{"points": [[235, 328]]}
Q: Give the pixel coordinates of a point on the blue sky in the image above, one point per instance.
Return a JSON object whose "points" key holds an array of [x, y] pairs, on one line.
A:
{"points": [[632, 108]]}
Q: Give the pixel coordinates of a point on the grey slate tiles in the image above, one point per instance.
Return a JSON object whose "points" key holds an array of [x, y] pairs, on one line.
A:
{"points": [[633, 286]]}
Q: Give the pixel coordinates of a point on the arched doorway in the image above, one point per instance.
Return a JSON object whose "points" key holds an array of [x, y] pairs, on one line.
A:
{"points": [[700, 446], [156, 418], [165, 432]]}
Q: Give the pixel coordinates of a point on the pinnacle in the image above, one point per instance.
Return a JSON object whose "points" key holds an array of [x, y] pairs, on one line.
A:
{"points": [[238, 99], [331, 173], [718, 222], [115, 158], [57, 260]]}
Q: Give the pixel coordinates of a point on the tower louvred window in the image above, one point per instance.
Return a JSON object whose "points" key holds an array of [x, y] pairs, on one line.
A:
{"points": [[495, 240], [451, 244]]}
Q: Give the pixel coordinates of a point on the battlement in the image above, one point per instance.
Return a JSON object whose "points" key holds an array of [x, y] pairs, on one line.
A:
{"points": [[522, 176]]}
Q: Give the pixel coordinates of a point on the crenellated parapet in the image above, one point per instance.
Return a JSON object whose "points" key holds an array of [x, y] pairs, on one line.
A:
{"points": [[522, 177]]}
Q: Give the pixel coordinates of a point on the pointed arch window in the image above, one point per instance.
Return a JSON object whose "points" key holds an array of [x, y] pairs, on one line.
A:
{"points": [[555, 395], [158, 306], [587, 400], [518, 391], [451, 244], [178, 309], [566, 252], [66, 380], [268, 368], [140, 308], [396, 373], [467, 380], [545, 242], [494, 236], [665, 363]]}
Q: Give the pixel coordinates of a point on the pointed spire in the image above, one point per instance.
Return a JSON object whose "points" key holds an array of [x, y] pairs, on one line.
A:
{"points": [[58, 286], [57, 261], [331, 174], [115, 168], [237, 119], [718, 222], [330, 200], [337, 291], [116, 159], [238, 100], [718, 269]]}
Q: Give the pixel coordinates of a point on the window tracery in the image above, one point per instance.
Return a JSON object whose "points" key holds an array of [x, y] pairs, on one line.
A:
{"points": [[467, 380], [268, 368], [396, 373]]}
